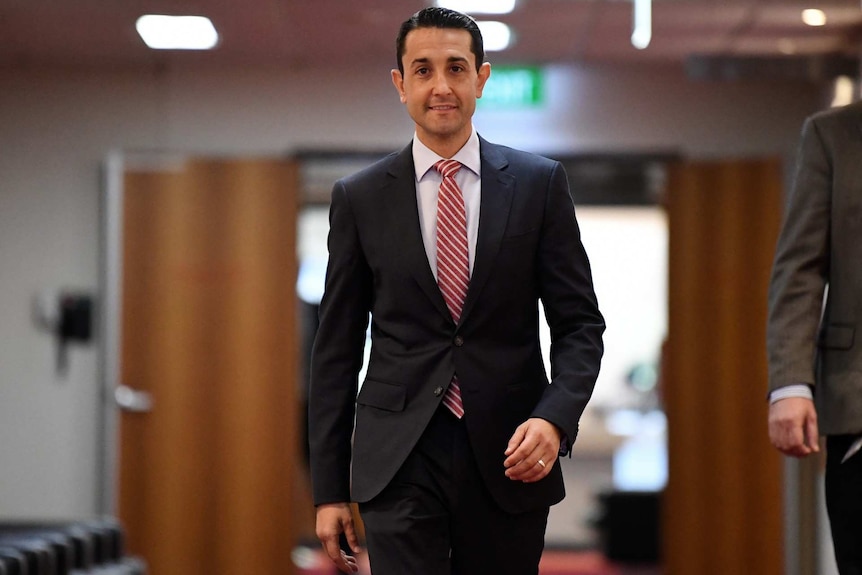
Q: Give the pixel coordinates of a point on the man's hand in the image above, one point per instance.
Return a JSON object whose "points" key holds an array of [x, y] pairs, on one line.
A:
{"points": [[333, 519], [532, 451], [793, 426]]}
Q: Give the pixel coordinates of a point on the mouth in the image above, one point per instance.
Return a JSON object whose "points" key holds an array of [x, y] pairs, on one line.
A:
{"points": [[442, 108]]}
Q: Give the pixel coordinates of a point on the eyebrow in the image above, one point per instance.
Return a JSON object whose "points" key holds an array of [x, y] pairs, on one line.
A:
{"points": [[450, 60]]}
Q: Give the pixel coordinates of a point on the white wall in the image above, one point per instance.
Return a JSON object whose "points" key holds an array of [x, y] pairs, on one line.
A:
{"points": [[57, 126]]}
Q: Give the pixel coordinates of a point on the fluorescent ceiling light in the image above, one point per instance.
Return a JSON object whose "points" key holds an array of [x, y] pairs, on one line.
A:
{"points": [[814, 17], [478, 6], [496, 36], [642, 29], [162, 32]]}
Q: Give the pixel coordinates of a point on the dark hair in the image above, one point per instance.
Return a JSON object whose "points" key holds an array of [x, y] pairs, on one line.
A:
{"points": [[435, 17]]}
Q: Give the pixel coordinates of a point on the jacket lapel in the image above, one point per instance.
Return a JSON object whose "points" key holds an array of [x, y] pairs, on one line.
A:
{"points": [[406, 234], [498, 188]]}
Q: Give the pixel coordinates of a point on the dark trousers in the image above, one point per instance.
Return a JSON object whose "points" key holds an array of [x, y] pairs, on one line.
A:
{"points": [[844, 503], [437, 518]]}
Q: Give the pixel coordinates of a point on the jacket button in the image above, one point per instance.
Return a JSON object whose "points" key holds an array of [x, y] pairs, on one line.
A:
{"points": [[438, 391], [459, 341]]}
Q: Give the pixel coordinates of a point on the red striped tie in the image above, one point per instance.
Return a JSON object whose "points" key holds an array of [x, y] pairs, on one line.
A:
{"points": [[453, 263]]}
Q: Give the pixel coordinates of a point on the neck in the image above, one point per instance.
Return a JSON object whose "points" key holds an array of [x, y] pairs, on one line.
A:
{"points": [[445, 147]]}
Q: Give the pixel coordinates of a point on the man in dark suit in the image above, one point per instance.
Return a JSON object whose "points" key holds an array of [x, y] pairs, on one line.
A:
{"points": [[450, 446], [815, 366]]}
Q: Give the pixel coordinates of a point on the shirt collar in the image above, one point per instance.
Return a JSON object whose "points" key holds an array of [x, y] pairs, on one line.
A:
{"points": [[424, 159]]}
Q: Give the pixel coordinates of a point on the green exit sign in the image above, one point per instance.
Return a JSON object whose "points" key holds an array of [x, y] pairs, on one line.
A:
{"points": [[513, 87]]}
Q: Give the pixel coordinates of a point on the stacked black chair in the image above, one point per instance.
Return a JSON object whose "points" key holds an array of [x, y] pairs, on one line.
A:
{"points": [[75, 548]]}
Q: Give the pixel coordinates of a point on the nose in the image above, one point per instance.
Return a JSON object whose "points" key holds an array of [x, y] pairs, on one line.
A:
{"points": [[441, 84]]}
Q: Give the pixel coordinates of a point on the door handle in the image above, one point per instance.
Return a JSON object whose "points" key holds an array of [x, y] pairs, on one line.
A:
{"points": [[132, 400]]}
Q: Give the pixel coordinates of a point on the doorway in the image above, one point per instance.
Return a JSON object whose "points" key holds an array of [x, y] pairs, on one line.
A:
{"points": [[200, 338]]}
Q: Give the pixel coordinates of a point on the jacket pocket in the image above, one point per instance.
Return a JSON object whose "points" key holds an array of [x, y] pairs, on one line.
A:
{"points": [[382, 395], [836, 336], [515, 235]]}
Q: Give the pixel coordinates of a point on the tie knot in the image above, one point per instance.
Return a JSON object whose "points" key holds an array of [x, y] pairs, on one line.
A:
{"points": [[448, 168]]}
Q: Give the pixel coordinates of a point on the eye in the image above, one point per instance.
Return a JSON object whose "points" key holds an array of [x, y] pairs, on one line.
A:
{"points": [[457, 68], [421, 71]]}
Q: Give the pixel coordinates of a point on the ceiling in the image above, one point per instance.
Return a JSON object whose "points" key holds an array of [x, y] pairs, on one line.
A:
{"points": [[310, 33]]}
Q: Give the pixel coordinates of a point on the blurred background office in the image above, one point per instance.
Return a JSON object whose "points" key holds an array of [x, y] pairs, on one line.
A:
{"points": [[162, 244]]}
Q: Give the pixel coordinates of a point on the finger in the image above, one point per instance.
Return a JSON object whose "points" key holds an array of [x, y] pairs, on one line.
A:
{"points": [[522, 458], [349, 562], [812, 434], [526, 452], [530, 470], [516, 440], [537, 476], [331, 547], [801, 452], [535, 473], [796, 444], [795, 437], [336, 555], [540, 470], [788, 438], [518, 465], [352, 539], [344, 562]]}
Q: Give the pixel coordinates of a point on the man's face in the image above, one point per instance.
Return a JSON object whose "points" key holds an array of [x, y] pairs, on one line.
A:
{"points": [[440, 85]]}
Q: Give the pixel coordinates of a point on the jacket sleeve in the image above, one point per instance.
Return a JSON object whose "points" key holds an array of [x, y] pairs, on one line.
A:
{"points": [[801, 266], [337, 355], [571, 310]]}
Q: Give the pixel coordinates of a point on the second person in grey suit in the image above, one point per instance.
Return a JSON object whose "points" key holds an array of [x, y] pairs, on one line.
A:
{"points": [[815, 307]]}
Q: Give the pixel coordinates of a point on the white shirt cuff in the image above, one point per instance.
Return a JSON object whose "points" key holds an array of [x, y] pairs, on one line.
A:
{"points": [[796, 390]]}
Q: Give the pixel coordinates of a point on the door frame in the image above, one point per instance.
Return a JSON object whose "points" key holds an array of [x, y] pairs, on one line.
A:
{"points": [[110, 318]]}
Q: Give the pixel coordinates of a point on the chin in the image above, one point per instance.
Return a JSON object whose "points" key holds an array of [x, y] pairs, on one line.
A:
{"points": [[445, 129]]}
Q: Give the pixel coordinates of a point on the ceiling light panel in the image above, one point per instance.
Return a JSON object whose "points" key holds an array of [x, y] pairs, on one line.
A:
{"points": [[496, 36], [479, 6], [814, 17], [162, 32]]}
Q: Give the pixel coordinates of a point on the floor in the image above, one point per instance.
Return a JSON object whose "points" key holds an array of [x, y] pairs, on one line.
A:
{"points": [[554, 562]]}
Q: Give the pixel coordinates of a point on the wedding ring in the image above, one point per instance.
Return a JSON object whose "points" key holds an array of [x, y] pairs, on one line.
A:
{"points": [[542, 463]]}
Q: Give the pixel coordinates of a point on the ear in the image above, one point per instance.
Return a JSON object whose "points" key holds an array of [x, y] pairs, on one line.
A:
{"points": [[484, 74], [398, 82]]}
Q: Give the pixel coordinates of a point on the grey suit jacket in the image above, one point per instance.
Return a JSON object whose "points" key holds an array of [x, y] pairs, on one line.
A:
{"points": [[811, 331], [528, 248]]}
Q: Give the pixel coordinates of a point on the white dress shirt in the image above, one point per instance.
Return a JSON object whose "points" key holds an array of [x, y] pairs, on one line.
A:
{"points": [[428, 182]]}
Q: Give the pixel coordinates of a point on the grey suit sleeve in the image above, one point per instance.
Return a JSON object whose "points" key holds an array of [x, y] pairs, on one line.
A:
{"points": [[801, 268], [571, 310]]}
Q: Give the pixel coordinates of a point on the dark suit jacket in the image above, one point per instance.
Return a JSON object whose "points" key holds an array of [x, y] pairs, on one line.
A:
{"points": [[528, 248], [821, 244]]}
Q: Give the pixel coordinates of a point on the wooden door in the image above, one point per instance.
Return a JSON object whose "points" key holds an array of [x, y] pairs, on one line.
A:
{"points": [[208, 331], [723, 503]]}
